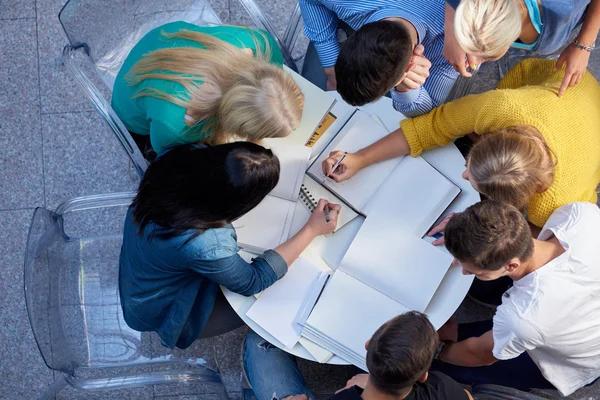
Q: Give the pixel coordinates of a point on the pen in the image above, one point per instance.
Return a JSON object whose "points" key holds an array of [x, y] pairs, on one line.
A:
{"points": [[327, 218], [337, 163]]}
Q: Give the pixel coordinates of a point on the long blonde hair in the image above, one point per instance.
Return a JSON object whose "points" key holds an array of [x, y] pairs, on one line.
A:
{"points": [[240, 96], [486, 28], [512, 165]]}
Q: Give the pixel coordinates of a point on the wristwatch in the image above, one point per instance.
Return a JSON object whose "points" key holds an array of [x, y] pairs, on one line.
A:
{"points": [[582, 47], [438, 350]]}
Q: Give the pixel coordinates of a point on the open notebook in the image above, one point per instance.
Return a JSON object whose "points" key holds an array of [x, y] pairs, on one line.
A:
{"points": [[374, 282]]}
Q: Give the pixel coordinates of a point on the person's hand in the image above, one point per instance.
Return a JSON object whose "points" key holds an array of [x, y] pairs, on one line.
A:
{"points": [[359, 380], [297, 397], [331, 81], [349, 166], [455, 55], [439, 228], [577, 62], [317, 223], [449, 332], [417, 72]]}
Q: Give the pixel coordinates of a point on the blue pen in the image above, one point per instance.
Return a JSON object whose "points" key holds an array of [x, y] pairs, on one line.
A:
{"points": [[438, 235]]}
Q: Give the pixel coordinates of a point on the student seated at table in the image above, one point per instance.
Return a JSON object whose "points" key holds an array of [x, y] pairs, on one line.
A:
{"points": [[397, 46], [546, 333], [536, 151], [179, 244], [486, 29], [398, 357], [183, 83]]}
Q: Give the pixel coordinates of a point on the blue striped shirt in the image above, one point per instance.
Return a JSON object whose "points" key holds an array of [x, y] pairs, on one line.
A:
{"points": [[427, 16]]}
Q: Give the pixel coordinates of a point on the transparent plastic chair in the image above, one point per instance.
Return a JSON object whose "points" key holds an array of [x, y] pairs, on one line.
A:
{"points": [[73, 303], [101, 33]]}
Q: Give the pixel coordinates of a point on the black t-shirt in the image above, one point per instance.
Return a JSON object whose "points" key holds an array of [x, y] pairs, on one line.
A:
{"points": [[437, 387]]}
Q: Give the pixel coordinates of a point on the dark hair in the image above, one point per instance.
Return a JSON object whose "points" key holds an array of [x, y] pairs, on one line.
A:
{"points": [[197, 187], [489, 234], [372, 61], [400, 352]]}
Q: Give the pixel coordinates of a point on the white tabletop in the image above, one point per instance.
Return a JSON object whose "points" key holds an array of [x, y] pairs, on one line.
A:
{"points": [[331, 249]]}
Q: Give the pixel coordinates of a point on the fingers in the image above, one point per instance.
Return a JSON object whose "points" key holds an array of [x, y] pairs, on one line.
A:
{"points": [[461, 68], [561, 60], [418, 50], [335, 207], [422, 61], [564, 85], [575, 79], [439, 241], [321, 205], [329, 162], [473, 61]]}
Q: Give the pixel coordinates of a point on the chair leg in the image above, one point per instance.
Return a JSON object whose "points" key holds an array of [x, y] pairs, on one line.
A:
{"points": [[52, 390]]}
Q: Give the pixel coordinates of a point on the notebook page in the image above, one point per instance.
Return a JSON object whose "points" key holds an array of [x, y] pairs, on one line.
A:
{"points": [[409, 271], [293, 161], [316, 105], [360, 131], [413, 196], [349, 312], [267, 225], [276, 309]]}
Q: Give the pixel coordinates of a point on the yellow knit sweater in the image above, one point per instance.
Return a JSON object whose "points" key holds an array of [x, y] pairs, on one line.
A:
{"points": [[527, 95]]}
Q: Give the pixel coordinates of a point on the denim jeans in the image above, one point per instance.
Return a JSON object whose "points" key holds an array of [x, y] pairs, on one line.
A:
{"points": [[519, 373], [272, 373]]}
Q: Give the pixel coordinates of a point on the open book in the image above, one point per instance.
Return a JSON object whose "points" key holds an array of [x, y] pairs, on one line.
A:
{"points": [[374, 282]]}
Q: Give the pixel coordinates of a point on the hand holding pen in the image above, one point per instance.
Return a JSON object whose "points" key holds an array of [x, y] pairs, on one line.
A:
{"points": [[318, 222], [341, 165]]}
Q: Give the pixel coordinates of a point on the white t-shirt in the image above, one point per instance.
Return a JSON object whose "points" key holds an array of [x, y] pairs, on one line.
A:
{"points": [[553, 313]]}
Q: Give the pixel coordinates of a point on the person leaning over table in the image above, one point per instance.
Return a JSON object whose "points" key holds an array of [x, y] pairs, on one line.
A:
{"points": [[546, 332], [484, 30], [398, 358], [179, 244], [396, 48], [183, 83], [537, 151]]}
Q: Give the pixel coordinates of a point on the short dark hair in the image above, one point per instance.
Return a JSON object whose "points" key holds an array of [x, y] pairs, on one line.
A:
{"points": [[198, 187], [400, 352], [372, 61], [489, 234]]}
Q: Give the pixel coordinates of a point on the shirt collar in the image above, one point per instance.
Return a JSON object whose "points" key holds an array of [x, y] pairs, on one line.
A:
{"points": [[383, 13]]}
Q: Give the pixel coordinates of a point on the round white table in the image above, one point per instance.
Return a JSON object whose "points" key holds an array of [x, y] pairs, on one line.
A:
{"points": [[331, 249]]}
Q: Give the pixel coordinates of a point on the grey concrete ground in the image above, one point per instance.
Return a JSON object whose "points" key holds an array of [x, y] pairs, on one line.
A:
{"points": [[54, 147]]}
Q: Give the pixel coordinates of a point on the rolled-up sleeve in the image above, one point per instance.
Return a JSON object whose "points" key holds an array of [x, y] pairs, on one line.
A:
{"points": [[320, 26], [240, 276]]}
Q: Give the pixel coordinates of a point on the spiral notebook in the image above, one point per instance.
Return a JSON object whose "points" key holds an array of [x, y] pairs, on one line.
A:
{"points": [[311, 192]]}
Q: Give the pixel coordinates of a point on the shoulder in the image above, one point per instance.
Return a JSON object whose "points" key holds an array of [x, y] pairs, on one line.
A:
{"points": [[580, 217], [214, 244], [438, 387]]}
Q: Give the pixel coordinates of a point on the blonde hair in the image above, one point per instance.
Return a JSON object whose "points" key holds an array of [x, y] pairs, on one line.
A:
{"points": [[486, 28], [239, 95], [512, 165]]}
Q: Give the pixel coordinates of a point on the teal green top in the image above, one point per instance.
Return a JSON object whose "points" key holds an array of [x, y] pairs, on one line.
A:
{"points": [[162, 120]]}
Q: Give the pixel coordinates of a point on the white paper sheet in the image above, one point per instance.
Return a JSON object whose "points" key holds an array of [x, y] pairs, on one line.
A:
{"points": [[267, 225], [276, 309], [413, 196], [293, 161], [409, 271], [349, 312]]}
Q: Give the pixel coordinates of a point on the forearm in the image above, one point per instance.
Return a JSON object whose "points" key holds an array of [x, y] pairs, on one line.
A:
{"points": [[466, 354], [392, 145], [293, 247], [591, 24]]}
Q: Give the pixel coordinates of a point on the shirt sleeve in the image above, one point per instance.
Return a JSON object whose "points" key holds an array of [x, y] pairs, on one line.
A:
{"points": [[513, 335], [240, 276], [320, 26], [480, 113]]}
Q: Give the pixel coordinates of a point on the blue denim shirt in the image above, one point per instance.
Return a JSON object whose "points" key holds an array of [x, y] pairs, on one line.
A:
{"points": [[169, 286]]}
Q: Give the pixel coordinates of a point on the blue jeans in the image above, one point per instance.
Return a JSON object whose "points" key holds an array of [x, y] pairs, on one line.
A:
{"points": [[519, 373], [272, 373]]}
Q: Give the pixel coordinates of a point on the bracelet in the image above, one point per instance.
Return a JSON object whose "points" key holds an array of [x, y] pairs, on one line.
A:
{"points": [[582, 47]]}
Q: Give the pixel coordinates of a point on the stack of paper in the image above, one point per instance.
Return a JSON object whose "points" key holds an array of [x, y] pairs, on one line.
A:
{"points": [[279, 307], [374, 282]]}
